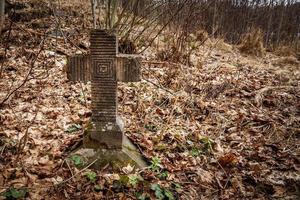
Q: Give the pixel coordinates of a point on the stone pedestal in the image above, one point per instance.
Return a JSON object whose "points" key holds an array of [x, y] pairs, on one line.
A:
{"points": [[97, 145], [115, 158]]}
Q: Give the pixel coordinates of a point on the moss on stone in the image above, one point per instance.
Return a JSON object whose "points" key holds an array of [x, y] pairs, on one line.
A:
{"points": [[88, 127]]}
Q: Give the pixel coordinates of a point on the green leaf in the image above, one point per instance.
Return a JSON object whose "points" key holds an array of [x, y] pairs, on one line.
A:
{"points": [[77, 160], [177, 186], [133, 180], [155, 164], [141, 196], [195, 152], [163, 175], [13, 193], [91, 176], [208, 143], [158, 191], [169, 194], [73, 128]]}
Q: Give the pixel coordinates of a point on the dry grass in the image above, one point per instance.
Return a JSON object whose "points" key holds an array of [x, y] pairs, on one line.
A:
{"points": [[252, 43], [285, 51], [222, 45], [288, 60]]}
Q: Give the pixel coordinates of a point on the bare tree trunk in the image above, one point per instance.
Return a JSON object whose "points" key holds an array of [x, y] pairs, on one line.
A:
{"points": [[93, 12], [2, 14], [100, 3], [113, 13], [269, 24], [280, 23], [107, 21], [214, 22]]}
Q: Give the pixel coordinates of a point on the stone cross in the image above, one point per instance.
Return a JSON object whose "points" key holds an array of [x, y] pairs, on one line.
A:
{"points": [[104, 67]]}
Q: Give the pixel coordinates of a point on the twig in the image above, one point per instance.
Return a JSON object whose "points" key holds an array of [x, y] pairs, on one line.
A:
{"points": [[219, 183], [222, 169], [24, 139], [168, 122], [227, 181], [69, 167], [6, 48], [58, 25], [83, 93], [164, 26], [158, 86], [77, 173], [3, 148], [27, 77]]}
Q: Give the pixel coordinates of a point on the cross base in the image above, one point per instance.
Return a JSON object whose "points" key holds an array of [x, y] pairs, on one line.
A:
{"points": [[116, 158], [96, 148], [105, 135]]}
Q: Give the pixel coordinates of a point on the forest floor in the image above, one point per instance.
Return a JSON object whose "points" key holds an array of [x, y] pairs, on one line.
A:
{"points": [[226, 127]]}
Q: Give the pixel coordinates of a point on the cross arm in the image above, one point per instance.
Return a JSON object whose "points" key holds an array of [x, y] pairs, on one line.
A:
{"points": [[78, 68], [128, 67]]}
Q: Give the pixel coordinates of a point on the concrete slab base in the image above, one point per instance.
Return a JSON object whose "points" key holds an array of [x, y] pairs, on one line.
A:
{"points": [[115, 158]]}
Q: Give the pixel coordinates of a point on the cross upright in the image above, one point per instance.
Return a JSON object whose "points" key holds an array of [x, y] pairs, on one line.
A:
{"points": [[104, 67], [104, 90]]}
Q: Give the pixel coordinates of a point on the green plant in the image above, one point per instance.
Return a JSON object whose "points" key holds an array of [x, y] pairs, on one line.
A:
{"points": [[151, 127], [133, 180], [177, 186], [124, 180], [168, 194], [163, 175], [77, 160], [158, 191], [91, 176], [195, 152], [162, 193], [155, 164], [208, 143], [141, 196], [73, 128], [13, 193]]}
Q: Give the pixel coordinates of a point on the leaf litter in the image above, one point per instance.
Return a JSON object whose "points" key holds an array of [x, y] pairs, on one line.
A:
{"points": [[226, 127]]}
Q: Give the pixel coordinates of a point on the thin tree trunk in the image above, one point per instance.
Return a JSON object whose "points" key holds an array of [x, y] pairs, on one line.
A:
{"points": [[280, 23], [114, 7], [107, 19], [93, 12], [2, 15], [99, 4], [269, 24], [214, 23]]}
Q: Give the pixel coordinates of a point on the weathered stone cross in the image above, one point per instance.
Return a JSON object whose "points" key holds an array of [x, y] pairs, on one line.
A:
{"points": [[104, 140]]}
